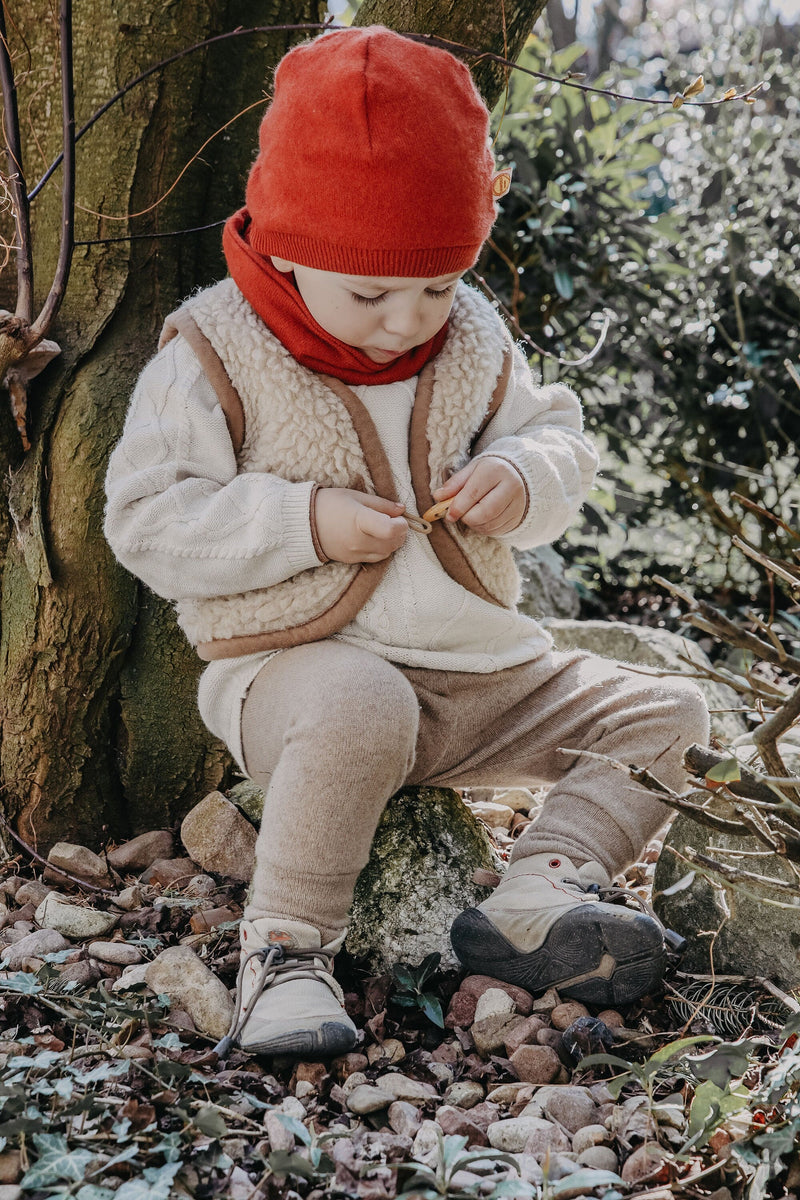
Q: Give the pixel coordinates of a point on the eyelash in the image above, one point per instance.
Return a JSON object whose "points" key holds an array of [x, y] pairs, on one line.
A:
{"points": [[379, 299]]}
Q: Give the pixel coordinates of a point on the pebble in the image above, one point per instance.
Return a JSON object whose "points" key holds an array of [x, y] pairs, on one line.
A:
{"points": [[646, 1160], [81, 862], [448, 1052], [476, 985], [496, 816], [209, 918], [508, 1093], [489, 1035], [142, 851], [562, 1016], [390, 1050], [426, 1140], [442, 1072], [72, 920], [220, 838], [129, 898], [130, 977], [514, 1133], [401, 1087], [611, 1018], [602, 1158], [169, 872], [588, 1136], [494, 1002], [31, 945], [201, 886], [456, 1121], [404, 1118], [292, 1107], [10, 1191], [33, 893], [119, 953], [523, 1033], [484, 1114], [517, 799], [280, 1138], [464, 1094], [310, 1072], [190, 984], [546, 1002], [346, 1064], [10, 1166], [353, 1081], [571, 1107], [546, 1138], [461, 1010], [84, 973], [367, 1099], [535, 1064]]}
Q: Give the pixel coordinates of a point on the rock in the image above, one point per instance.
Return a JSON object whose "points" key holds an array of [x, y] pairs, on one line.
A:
{"points": [[601, 1158], [489, 1035], [426, 1141], [169, 872], [456, 1121], [523, 1033], [353, 1081], [119, 953], [402, 1088], [756, 939], [484, 1114], [545, 1138], [658, 648], [280, 1137], [390, 1050], [131, 977], [590, 1135], [507, 1094], [496, 816], [546, 591], [81, 862], [571, 1107], [190, 985], [646, 1160], [553, 1039], [418, 879], [33, 892], [545, 1003], [536, 1064], [519, 1133], [129, 898], [494, 1002], [367, 1099], [32, 945], [404, 1118], [83, 973], [461, 1010], [249, 798], [563, 1015], [209, 918], [476, 985], [201, 886], [521, 800], [347, 1064], [464, 1094], [218, 837], [303, 1088], [141, 852], [441, 1072], [72, 920], [10, 1166], [10, 1191]]}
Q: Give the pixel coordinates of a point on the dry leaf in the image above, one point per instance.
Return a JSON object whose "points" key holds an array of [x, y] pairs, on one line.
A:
{"points": [[695, 88], [677, 100]]}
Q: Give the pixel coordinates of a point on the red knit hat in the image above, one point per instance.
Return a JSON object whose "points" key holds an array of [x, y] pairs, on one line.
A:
{"points": [[374, 159]]}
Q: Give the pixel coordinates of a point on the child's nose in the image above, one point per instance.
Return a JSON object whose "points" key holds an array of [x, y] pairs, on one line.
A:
{"points": [[403, 321]]}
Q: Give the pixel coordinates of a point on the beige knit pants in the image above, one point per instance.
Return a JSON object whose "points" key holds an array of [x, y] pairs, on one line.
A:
{"points": [[331, 731]]}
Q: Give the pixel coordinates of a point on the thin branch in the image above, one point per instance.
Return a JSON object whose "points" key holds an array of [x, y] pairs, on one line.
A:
{"points": [[11, 130], [139, 237], [765, 737], [90, 887], [59, 286]]}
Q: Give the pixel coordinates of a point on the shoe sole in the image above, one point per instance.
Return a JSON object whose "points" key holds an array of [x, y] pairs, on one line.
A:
{"points": [[329, 1039], [595, 958]]}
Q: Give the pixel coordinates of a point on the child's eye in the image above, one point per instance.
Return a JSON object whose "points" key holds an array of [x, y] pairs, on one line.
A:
{"points": [[441, 292], [368, 299]]}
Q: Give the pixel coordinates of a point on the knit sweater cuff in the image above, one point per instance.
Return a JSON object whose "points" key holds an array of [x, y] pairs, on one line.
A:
{"points": [[298, 539]]}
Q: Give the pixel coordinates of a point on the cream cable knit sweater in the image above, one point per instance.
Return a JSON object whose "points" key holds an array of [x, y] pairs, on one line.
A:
{"points": [[184, 520]]}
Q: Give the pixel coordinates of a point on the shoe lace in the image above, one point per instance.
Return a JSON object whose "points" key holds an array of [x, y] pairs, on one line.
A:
{"points": [[276, 966]]}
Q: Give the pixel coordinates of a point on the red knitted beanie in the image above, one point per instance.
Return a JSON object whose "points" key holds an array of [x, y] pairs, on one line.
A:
{"points": [[374, 159]]}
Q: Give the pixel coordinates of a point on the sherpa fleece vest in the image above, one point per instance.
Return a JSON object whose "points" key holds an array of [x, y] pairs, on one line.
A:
{"points": [[300, 425]]}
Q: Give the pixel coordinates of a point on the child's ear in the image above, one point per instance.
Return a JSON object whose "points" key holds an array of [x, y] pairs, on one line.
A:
{"points": [[282, 264]]}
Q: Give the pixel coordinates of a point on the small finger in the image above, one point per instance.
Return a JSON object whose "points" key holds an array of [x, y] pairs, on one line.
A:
{"points": [[454, 483], [487, 511], [390, 507]]}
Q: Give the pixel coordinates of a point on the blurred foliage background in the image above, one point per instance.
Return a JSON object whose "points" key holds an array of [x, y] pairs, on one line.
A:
{"points": [[683, 226]]}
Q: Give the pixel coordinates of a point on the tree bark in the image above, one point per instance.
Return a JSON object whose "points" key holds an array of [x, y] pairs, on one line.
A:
{"points": [[98, 726], [99, 733], [500, 28]]}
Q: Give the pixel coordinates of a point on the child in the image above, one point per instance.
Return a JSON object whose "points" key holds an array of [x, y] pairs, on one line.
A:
{"points": [[279, 450]]}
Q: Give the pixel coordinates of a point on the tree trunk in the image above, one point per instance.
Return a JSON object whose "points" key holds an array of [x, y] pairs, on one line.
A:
{"points": [[99, 724], [99, 733], [500, 28]]}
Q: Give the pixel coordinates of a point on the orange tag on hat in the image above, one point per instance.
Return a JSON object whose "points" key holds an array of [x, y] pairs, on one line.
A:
{"points": [[501, 182]]}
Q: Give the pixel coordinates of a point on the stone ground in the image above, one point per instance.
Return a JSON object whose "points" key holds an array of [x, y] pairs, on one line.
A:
{"points": [[114, 991]]}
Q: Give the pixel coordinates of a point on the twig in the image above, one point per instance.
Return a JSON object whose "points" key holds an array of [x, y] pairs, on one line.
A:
{"points": [[738, 875], [765, 737], [91, 887], [769, 564]]}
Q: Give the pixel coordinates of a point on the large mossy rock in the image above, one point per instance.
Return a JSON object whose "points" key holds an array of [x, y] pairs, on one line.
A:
{"points": [[660, 649], [546, 591], [757, 939], [418, 878]]}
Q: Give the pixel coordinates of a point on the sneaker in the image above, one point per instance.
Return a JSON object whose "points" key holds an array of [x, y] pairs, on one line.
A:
{"points": [[287, 1001], [545, 926]]}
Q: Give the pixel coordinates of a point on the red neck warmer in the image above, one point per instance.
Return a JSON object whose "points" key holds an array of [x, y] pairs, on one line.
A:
{"points": [[280, 306]]}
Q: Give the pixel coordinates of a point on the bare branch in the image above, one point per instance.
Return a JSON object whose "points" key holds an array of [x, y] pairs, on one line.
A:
{"points": [[11, 130]]}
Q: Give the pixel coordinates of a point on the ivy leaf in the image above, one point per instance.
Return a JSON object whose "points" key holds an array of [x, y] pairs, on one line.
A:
{"points": [[723, 1064], [56, 1162], [23, 982], [284, 1163], [585, 1180], [295, 1127], [155, 1183], [403, 975], [209, 1121]]}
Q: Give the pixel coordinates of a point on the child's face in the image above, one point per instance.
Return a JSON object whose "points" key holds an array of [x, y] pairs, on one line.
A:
{"points": [[381, 316]]}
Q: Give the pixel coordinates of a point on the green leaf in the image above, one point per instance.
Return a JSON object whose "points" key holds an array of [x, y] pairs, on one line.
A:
{"points": [[563, 59], [403, 975], [727, 771], [431, 1006], [668, 1052], [210, 1122], [155, 1183], [723, 1064], [21, 981], [91, 1191], [428, 966], [56, 1162], [284, 1163], [295, 1127], [712, 1104], [585, 1180], [565, 284]]}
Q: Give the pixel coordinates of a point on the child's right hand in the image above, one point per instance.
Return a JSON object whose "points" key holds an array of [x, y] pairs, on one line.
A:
{"points": [[354, 527]]}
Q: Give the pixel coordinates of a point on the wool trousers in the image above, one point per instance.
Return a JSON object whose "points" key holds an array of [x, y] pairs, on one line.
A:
{"points": [[330, 731]]}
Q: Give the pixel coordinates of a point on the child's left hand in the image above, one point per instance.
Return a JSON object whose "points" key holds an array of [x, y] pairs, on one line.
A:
{"points": [[490, 496]]}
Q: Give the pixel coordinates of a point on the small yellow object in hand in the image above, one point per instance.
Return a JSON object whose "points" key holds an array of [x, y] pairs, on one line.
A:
{"points": [[438, 510]]}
